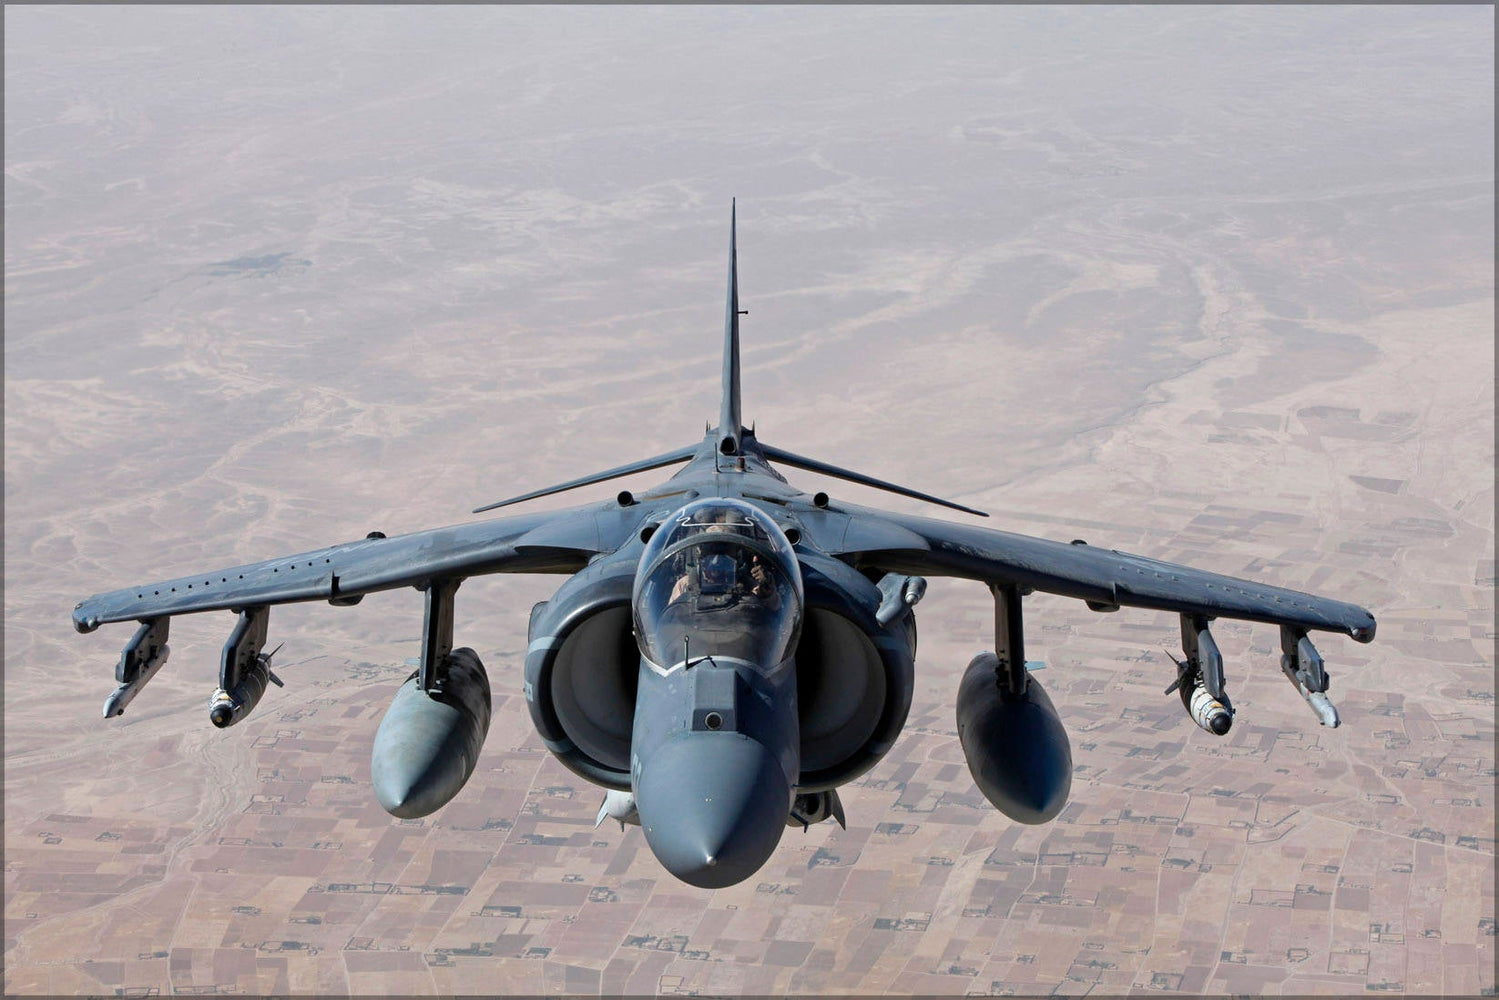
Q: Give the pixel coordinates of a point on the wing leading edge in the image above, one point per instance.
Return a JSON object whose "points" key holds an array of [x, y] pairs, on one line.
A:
{"points": [[551, 542], [1106, 578]]}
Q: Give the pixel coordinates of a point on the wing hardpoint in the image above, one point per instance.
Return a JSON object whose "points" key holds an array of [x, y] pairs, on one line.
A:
{"points": [[558, 542], [1107, 579]]}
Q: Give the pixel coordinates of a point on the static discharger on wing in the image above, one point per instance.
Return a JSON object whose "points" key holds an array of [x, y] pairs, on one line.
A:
{"points": [[726, 650]]}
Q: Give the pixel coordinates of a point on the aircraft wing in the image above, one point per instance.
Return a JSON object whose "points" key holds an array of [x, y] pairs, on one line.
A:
{"points": [[551, 542], [1106, 578]]}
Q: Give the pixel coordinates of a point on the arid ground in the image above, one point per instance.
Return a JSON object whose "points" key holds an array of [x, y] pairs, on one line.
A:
{"points": [[1214, 285]]}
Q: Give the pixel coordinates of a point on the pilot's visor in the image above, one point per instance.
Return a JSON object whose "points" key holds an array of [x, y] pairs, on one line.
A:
{"points": [[718, 579]]}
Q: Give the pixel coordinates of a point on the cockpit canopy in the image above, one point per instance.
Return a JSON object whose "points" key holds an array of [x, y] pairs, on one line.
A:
{"points": [[718, 578]]}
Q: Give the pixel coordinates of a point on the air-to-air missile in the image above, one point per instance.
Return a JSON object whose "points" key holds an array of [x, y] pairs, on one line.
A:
{"points": [[1200, 675], [429, 741], [1303, 667], [142, 657]]}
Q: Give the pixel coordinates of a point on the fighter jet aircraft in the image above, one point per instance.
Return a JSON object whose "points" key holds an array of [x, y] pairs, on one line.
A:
{"points": [[727, 650]]}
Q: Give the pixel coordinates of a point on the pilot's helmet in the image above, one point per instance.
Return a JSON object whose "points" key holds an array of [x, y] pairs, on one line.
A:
{"points": [[717, 573]]}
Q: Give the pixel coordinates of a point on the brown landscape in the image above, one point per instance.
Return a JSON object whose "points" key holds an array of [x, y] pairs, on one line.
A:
{"points": [[1211, 285]]}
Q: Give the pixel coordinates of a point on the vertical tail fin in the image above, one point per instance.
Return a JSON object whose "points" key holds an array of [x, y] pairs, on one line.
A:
{"points": [[729, 425]]}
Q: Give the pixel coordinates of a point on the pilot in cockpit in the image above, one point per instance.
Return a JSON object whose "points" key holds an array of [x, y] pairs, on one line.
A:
{"points": [[724, 573], [721, 576]]}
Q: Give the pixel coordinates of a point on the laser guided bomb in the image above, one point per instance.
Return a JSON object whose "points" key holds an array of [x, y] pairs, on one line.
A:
{"points": [[1199, 678], [225, 708], [244, 671], [726, 651]]}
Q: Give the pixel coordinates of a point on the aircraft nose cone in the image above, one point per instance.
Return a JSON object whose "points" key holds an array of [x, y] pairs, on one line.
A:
{"points": [[712, 806]]}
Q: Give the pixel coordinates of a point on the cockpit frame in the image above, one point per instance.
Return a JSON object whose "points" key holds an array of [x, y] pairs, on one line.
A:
{"points": [[675, 612]]}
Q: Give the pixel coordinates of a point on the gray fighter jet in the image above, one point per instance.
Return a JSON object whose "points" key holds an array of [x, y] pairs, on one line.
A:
{"points": [[727, 650]]}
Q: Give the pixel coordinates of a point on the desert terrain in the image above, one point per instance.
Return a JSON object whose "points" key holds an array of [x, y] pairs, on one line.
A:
{"points": [[1212, 285]]}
